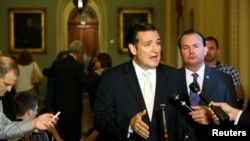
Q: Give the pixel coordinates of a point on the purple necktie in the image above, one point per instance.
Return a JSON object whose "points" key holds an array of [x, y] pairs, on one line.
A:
{"points": [[194, 97]]}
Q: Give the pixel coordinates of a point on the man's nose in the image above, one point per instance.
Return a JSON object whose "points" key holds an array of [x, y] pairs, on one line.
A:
{"points": [[156, 48]]}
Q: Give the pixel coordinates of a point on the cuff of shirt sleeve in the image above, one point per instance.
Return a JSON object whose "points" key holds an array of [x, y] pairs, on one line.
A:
{"points": [[237, 118], [130, 131]]}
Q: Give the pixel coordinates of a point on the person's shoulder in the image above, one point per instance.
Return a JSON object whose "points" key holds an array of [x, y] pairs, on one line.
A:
{"points": [[221, 64], [118, 68], [168, 70], [55, 63], [218, 73], [166, 67], [228, 67], [57, 60], [114, 73], [213, 70]]}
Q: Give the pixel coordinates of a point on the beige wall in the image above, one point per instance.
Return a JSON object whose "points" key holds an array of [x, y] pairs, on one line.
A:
{"points": [[244, 43]]}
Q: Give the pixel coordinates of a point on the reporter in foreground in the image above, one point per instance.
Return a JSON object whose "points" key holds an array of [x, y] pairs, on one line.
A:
{"points": [[238, 116], [11, 129]]}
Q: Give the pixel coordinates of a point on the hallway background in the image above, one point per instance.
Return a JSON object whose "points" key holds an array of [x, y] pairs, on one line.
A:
{"points": [[227, 20]]}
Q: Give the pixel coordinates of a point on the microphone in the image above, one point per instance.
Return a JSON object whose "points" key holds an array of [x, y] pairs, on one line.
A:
{"points": [[164, 122], [178, 98], [217, 110]]}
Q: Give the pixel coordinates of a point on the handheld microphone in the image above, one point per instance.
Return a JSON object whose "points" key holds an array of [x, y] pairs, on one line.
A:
{"points": [[178, 98], [217, 110], [164, 122]]}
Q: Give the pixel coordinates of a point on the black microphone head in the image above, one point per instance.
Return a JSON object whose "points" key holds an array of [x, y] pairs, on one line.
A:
{"points": [[194, 87]]}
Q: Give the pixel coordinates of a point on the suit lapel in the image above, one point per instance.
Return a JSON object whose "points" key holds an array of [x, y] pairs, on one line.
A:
{"points": [[206, 83], [133, 82], [183, 86], [160, 88], [207, 76]]}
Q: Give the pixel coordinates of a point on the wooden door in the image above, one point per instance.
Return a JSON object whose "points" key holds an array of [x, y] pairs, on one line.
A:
{"points": [[87, 33]]}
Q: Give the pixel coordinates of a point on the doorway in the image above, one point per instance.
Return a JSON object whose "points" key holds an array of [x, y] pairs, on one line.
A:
{"points": [[84, 27]]}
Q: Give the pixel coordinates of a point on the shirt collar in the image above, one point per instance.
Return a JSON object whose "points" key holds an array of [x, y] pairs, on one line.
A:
{"points": [[139, 70], [200, 72]]}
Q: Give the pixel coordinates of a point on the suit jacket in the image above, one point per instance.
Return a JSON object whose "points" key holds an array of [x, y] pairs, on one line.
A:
{"points": [[69, 81], [9, 105], [119, 98], [218, 87], [95, 78], [244, 118]]}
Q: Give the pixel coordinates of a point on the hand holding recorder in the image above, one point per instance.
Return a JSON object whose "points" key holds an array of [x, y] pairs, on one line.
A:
{"points": [[223, 117]]}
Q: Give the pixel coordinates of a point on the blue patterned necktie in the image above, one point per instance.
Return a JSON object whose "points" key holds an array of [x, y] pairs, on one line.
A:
{"points": [[194, 97]]}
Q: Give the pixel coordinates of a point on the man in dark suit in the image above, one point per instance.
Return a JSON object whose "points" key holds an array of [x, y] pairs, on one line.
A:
{"points": [[215, 84], [121, 109], [69, 80]]}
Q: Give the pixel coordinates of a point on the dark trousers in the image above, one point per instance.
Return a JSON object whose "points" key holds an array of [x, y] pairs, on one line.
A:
{"points": [[69, 127]]}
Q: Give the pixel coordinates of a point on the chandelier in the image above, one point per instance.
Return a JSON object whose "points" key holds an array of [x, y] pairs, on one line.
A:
{"points": [[80, 5]]}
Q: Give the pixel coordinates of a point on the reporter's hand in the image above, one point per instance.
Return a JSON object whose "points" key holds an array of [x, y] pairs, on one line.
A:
{"points": [[44, 121], [231, 111], [138, 126]]}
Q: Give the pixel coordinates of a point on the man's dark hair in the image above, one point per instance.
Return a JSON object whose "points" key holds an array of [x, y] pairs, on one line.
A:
{"points": [[191, 31], [211, 38], [105, 60], [24, 101], [133, 30]]}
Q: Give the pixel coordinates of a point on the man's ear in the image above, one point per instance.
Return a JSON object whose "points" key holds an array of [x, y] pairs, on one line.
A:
{"points": [[205, 53], [132, 49], [29, 112]]}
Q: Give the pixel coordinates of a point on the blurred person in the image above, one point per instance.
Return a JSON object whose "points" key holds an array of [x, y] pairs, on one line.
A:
{"points": [[215, 84], [26, 64], [14, 58], [211, 60], [124, 109], [102, 62], [10, 129], [91, 64], [69, 81], [26, 105], [7, 104], [50, 82]]}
